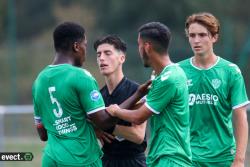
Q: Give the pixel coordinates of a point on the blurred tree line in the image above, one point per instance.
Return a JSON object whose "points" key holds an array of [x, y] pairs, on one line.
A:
{"points": [[35, 21]]}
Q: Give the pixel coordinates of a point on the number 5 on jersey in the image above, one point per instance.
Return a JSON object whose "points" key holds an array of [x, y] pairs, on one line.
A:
{"points": [[58, 113]]}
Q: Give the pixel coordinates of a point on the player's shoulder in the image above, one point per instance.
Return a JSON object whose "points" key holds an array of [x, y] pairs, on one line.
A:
{"points": [[184, 63], [179, 74], [41, 74], [171, 74], [83, 73], [229, 66], [86, 73], [130, 82], [130, 85]]}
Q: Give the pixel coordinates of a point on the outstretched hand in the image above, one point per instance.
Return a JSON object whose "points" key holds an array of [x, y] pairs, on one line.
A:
{"points": [[104, 136], [144, 88]]}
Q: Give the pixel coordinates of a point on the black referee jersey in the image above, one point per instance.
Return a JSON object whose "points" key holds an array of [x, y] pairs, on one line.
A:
{"points": [[121, 148]]}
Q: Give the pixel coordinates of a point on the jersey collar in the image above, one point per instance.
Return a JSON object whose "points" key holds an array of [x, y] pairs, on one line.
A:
{"points": [[191, 62]]}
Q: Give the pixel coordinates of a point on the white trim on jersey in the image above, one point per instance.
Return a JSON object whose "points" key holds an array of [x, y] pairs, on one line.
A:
{"points": [[241, 105], [37, 117], [151, 109], [191, 62], [96, 110], [38, 120]]}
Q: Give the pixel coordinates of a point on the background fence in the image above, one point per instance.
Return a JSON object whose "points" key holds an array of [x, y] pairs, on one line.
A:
{"points": [[18, 134]]}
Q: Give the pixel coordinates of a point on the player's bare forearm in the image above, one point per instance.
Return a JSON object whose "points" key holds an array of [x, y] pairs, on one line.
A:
{"points": [[241, 133], [100, 134], [135, 133], [103, 120], [137, 116], [129, 115], [42, 132]]}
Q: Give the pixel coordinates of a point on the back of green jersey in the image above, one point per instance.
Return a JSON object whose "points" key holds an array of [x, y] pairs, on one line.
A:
{"points": [[213, 94], [168, 100], [63, 95]]}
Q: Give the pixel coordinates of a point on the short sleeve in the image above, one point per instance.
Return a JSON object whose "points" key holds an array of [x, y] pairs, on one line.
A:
{"points": [[159, 95], [238, 95], [37, 115], [90, 97]]}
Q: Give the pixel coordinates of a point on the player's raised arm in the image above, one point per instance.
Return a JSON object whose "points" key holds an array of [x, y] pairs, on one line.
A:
{"points": [[141, 91]]}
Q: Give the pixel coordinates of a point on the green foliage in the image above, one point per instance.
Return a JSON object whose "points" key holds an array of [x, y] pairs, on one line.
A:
{"points": [[123, 18], [32, 17], [2, 18]]}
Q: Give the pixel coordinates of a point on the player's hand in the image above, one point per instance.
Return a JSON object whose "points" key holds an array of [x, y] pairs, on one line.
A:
{"points": [[144, 88], [237, 163], [104, 136], [112, 109]]}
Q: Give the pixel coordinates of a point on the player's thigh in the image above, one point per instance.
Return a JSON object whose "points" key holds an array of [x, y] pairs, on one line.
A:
{"points": [[164, 161], [47, 161], [212, 164]]}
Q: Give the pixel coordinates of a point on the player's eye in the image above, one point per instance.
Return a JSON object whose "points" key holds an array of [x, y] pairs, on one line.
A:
{"points": [[203, 34], [98, 55], [108, 53], [191, 35]]}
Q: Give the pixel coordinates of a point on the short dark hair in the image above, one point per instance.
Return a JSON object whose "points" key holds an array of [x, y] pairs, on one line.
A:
{"points": [[114, 40], [66, 34], [157, 33]]}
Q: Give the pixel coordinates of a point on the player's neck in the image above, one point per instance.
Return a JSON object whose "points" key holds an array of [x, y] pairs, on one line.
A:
{"points": [[204, 61], [62, 59], [113, 80], [160, 62]]}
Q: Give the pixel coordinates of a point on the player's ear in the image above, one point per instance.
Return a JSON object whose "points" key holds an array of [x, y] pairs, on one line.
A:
{"points": [[215, 38], [75, 47], [147, 47], [123, 58]]}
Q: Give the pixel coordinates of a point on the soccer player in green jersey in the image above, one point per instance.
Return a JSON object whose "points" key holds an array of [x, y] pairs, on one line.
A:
{"points": [[64, 96], [166, 103], [216, 95]]}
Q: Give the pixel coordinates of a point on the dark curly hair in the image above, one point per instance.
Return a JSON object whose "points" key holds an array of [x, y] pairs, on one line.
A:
{"points": [[157, 33], [66, 34], [114, 40]]}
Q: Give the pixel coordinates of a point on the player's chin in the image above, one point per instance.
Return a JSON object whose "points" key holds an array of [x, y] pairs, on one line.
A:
{"points": [[104, 72], [198, 51]]}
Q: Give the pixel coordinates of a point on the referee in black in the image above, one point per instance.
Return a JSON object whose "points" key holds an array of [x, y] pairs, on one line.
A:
{"points": [[127, 148]]}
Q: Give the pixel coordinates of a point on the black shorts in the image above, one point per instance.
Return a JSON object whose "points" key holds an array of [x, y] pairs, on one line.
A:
{"points": [[135, 161]]}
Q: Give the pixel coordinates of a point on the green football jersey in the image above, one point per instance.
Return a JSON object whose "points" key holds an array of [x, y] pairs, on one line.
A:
{"points": [[213, 94], [63, 96], [169, 126]]}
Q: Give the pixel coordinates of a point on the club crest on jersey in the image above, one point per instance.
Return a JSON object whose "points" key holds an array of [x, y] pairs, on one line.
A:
{"points": [[216, 83], [94, 95]]}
